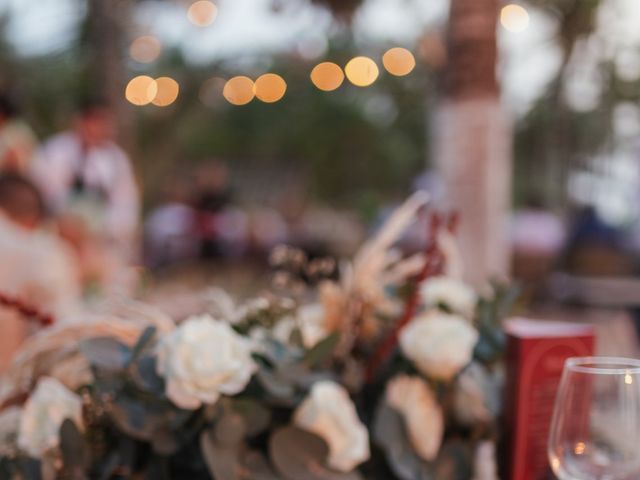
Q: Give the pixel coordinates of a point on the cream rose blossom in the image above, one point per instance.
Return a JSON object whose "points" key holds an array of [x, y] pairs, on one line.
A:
{"points": [[9, 426], [329, 413], [454, 294], [310, 321], [46, 409], [439, 344], [412, 398], [202, 359]]}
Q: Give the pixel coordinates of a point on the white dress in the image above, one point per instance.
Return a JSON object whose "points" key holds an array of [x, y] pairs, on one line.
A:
{"points": [[37, 268]]}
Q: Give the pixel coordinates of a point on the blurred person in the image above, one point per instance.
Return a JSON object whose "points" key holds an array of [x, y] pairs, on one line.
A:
{"points": [[594, 247], [17, 140], [266, 230], [86, 177], [170, 231], [37, 267], [537, 237], [213, 197]]}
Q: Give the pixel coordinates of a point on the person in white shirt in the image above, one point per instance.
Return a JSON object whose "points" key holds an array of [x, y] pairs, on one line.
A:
{"points": [[36, 267], [83, 174]]}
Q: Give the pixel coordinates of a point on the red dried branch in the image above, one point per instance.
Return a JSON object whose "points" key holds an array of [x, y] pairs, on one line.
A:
{"points": [[27, 311], [433, 265]]}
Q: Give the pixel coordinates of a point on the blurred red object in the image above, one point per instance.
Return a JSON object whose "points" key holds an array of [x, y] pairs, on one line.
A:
{"points": [[535, 357]]}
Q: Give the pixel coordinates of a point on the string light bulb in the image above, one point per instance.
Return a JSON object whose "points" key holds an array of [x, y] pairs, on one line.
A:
{"points": [[361, 71], [327, 76]]}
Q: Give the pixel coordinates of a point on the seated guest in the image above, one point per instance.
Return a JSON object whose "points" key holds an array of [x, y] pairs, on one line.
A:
{"points": [[17, 140], [85, 175], [36, 268]]}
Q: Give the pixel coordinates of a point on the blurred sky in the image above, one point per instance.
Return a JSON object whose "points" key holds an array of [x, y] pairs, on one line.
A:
{"points": [[245, 30]]}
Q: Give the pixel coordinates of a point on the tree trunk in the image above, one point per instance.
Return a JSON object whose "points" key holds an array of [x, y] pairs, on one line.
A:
{"points": [[108, 38], [473, 140]]}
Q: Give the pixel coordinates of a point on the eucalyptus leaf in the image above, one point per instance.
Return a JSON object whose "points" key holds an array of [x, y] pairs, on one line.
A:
{"points": [[75, 454], [256, 416], [109, 466], [106, 353], [230, 430], [455, 461], [146, 337], [158, 469], [164, 442], [275, 385], [322, 350], [136, 418], [298, 454], [222, 462], [256, 467], [390, 434], [29, 468], [144, 375]]}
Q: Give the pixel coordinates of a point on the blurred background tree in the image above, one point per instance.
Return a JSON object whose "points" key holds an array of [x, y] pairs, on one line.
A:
{"points": [[354, 146]]}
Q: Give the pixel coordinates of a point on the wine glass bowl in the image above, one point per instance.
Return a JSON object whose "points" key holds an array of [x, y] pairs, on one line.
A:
{"points": [[595, 431]]}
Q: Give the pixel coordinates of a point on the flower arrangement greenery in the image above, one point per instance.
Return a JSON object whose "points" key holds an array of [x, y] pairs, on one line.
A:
{"points": [[384, 367]]}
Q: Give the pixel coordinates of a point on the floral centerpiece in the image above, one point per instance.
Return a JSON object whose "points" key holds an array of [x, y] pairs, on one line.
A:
{"points": [[383, 367]]}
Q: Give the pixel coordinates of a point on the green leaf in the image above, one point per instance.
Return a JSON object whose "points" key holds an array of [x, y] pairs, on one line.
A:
{"points": [[144, 375], [137, 418], [222, 462], [322, 350], [390, 434], [230, 430], [164, 442], [29, 468], [256, 467], [106, 353], [275, 385], [75, 455], [146, 337], [256, 416], [298, 454], [455, 460]]}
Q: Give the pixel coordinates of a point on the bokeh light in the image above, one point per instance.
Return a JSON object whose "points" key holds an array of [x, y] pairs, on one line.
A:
{"points": [[141, 90], [238, 90], [168, 90], [361, 71], [514, 18], [398, 61], [327, 76], [270, 87], [202, 13], [145, 49]]}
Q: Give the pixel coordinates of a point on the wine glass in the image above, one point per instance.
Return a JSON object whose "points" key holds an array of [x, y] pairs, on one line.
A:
{"points": [[595, 431]]}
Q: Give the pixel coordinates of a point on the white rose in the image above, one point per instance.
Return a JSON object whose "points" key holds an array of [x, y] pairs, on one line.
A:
{"points": [[312, 324], [451, 292], [412, 398], [439, 344], [329, 413], [46, 409], [310, 320], [9, 426], [202, 359]]}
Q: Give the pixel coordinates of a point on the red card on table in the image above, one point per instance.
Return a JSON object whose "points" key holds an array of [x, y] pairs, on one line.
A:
{"points": [[536, 352]]}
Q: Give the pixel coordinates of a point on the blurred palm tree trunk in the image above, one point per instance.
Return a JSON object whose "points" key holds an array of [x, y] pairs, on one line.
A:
{"points": [[108, 38], [473, 139]]}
